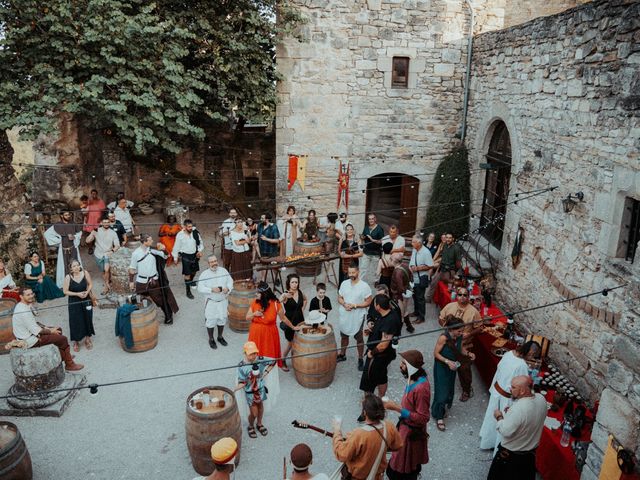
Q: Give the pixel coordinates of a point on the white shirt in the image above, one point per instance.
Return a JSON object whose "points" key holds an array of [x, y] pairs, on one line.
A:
{"points": [[341, 226], [28, 266], [25, 326], [215, 278], [113, 205], [239, 236], [509, 367], [419, 258], [106, 241], [7, 281], [124, 215], [185, 243], [522, 424], [397, 243], [351, 321], [228, 225], [146, 269]]}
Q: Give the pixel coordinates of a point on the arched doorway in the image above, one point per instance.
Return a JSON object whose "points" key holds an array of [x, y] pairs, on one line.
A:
{"points": [[496, 185], [393, 197]]}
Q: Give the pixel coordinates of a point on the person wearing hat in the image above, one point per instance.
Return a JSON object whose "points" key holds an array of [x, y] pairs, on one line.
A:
{"points": [[223, 454], [252, 371], [406, 463], [301, 459]]}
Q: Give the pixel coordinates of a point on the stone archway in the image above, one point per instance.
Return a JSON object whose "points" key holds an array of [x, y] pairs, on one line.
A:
{"points": [[496, 185], [393, 197]]}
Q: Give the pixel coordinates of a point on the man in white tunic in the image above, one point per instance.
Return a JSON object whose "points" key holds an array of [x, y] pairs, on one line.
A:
{"points": [[106, 243], [215, 283], [354, 297], [123, 214], [188, 248], [513, 364], [225, 232]]}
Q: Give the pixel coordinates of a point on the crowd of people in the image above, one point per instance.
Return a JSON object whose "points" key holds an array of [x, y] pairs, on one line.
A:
{"points": [[377, 280]]}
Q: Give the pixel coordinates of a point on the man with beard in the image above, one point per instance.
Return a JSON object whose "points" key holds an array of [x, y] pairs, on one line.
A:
{"points": [[66, 236], [188, 247], [116, 226], [450, 261], [354, 297], [268, 239], [406, 463], [463, 310], [147, 276], [215, 283], [225, 232]]}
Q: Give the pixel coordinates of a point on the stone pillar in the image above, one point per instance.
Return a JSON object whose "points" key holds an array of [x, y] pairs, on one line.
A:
{"points": [[620, 401], [119, 263]]}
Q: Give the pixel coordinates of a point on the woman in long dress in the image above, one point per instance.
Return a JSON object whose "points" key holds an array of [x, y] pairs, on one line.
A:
{"points": [[167, 236], [294, 303], [8, 287], [511, 365], [77, 286], [445, 363], [240, 268], [349, 251], [263, 314], [288, 227], [37, 279]]}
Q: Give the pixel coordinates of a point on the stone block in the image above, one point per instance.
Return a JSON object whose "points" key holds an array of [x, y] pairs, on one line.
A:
{"points": [[444, 69], [628, 352], [366, 65], [618, 417], [619, 377], [451, 56], [575, 88], [374, 4]]}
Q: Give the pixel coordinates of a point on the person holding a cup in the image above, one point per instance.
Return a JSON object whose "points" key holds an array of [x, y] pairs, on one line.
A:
{"points": [[77, 286]]}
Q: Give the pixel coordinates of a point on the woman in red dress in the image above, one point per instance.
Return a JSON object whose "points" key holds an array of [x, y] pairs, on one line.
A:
{"points": [[167, 236], [263, 315]]}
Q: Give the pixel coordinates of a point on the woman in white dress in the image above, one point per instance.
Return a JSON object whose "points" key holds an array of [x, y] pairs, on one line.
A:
{"points": [[512, 365]]}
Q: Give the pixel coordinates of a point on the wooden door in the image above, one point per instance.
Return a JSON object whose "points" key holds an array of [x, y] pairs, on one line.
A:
{"points": [[409, 204]]}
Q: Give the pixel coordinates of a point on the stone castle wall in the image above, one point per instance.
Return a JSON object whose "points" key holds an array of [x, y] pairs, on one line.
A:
{"points": [[521, 11], [336, 102], [567, 88]]}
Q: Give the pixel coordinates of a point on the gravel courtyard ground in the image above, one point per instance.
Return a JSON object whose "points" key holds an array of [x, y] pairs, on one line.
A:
{"points": [[136, 430]]}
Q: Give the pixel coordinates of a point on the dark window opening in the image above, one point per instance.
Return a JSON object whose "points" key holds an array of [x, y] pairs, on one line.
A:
{"points": [[630, 229], [251, 187], [400, 72]]}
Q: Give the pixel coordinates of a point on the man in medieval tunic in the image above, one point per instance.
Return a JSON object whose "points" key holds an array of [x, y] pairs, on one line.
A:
{"points": [[65, 235]]}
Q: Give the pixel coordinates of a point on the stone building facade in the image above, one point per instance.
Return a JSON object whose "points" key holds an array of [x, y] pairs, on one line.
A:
{"points": [[567, 88], [338, 103], [553, 98]]}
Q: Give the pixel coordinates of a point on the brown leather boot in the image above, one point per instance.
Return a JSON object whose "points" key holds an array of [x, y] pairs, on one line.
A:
{"points": [[69, 364], [73, 367]]}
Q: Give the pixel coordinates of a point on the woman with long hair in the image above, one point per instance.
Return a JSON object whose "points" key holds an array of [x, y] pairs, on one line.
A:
{"points": [[294, 303], [37, 279], [263, 314], [350, 252], [77, 286]]}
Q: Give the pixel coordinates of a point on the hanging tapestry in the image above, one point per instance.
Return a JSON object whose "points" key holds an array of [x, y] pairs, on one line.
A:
{"points": [[343, 184], [293, 171], [302, 170]]}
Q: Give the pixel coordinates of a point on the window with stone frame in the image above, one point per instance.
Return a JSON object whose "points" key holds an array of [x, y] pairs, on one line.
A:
{"points": [[400, 72], [251, 187], [629, 230]]}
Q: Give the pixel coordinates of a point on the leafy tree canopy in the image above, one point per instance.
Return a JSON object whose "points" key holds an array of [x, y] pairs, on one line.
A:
{"points": [[156, 73]]}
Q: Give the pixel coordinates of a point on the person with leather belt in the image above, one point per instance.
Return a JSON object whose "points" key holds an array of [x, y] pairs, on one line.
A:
{"points": [[215, 283], [511, 365], [147, 276], [188, 247], [521, 428]]}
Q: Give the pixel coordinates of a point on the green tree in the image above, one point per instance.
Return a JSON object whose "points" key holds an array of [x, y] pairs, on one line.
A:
{"points": [[155, 73], [449, 207]]}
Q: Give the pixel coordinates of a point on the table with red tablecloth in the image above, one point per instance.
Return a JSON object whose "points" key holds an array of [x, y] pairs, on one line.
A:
{"points": [[553, 461]]}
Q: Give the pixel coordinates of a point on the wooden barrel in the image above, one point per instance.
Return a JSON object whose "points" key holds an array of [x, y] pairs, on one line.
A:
{"points": [[206, 426], [318, 370], [310, 268], [6, 327], [15, 461], [240, 298], [144, 326]]}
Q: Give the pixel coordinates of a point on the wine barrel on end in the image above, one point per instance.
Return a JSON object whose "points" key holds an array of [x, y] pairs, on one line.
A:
{"points": [[6, 327], [309, 268], [240, 298], [15, 461], [318, 369], [206, 426], [144, 326]]}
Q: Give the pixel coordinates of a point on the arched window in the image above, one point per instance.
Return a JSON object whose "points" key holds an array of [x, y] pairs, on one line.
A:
{"points": [[496, 185]]}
